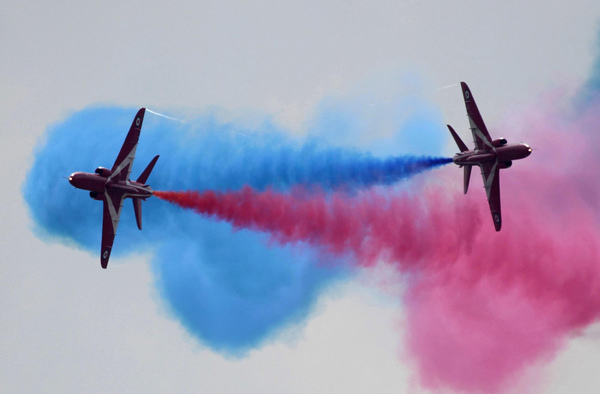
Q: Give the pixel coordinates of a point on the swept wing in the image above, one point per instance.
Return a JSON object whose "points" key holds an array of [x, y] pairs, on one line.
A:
{"points": [[481, 137], [490, 172], [122, 167], [113, 204]]}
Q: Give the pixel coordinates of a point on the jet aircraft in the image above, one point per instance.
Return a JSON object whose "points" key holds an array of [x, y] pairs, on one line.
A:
{"points": [[490, 155], [113, 186]]}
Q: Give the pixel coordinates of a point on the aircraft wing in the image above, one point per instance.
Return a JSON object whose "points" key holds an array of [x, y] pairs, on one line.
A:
{"points": [[491, 182], [110, 221], [481, 137], [122, 167]]}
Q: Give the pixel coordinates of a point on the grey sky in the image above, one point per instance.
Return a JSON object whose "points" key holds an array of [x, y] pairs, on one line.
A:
{"points": [[67, 326]]}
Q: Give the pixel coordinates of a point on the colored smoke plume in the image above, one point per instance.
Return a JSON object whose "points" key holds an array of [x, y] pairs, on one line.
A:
{"points": [[372, 226], [231, 290], [482, 307]]}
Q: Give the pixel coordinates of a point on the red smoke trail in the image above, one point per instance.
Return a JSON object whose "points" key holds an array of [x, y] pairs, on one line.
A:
{"points": [[373, 227], [481, 306]]}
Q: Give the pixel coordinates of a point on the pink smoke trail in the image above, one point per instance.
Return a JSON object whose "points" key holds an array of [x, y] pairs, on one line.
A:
{"points": [[372, 227], [513, 299], [482, 306]]}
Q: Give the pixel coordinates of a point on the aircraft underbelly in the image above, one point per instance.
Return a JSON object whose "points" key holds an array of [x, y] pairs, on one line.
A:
{"points": [[90, 182]]}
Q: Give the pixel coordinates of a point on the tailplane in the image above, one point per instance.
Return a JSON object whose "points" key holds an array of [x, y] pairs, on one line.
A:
{"points": [[467, 177], [463, 148], [137, 208]]}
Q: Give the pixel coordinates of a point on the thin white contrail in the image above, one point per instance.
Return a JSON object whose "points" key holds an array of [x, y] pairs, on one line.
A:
{"points": [[449, 86], [165, 116], [184, 122]]}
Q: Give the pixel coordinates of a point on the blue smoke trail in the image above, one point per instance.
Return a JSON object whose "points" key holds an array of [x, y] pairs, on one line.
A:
{"points": [[232, 290]]}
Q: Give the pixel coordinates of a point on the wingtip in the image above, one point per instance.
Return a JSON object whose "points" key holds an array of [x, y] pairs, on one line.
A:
{"points": [[140, 114], [104, 257], [497, 221], [465, 89]]}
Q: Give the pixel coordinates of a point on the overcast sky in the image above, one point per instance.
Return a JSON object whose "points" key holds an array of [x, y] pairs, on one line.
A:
{"points": [[68, 326]]}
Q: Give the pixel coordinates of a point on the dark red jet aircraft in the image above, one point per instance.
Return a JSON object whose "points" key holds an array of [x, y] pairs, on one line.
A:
{"points": [[113, 186], [490, 155]]}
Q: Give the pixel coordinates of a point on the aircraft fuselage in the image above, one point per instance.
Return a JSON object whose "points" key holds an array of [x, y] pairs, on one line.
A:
{"points": [[505, 154], [98, 184]]}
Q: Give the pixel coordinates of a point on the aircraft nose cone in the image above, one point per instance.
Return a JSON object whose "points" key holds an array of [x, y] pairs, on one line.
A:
{"points": [[75, 179]]}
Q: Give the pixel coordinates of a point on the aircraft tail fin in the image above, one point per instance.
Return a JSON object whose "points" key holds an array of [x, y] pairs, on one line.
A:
{"points": [[467, 177], [459, 142], [144, 177], [137, 208]]}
